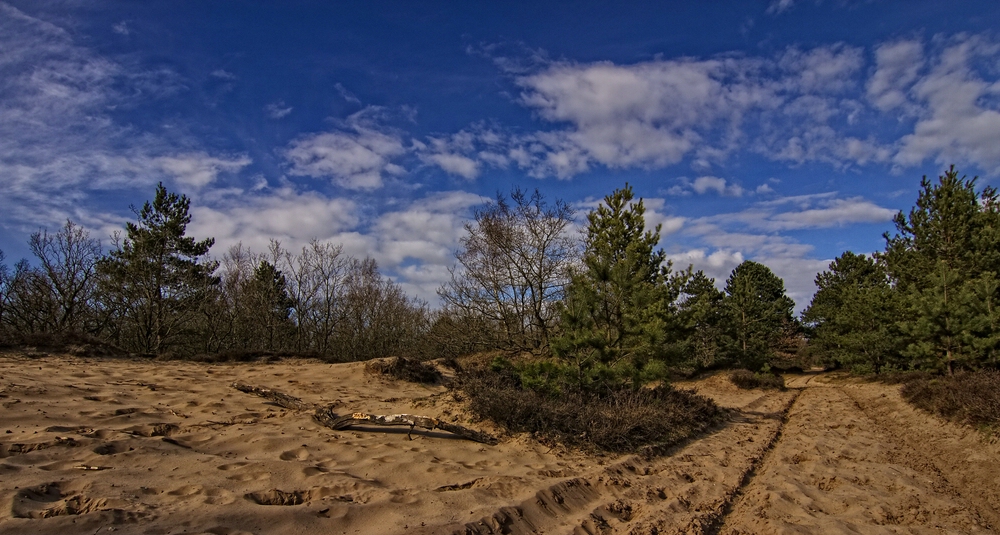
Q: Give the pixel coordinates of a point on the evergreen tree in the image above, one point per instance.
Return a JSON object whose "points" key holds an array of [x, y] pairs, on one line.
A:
{"points": [[943, 260], [757, 312], [700, 316], [156, 277], [854, 314], [617, 304], [269, 307]]}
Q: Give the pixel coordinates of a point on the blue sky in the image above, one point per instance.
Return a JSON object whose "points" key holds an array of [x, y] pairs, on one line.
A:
{"points": [[784, 132]]}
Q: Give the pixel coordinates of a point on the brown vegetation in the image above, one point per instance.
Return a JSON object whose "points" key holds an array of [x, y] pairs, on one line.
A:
{"points": [[620, 419], [971, 398], [748, 380]]}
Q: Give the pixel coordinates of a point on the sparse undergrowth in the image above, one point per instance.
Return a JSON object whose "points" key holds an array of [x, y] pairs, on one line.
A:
{"points": [[748, 380], [967, 397], [405, 369], [621, 420]]}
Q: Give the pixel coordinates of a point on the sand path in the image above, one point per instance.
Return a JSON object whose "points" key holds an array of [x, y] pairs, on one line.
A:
{"points": [[96, 446]]}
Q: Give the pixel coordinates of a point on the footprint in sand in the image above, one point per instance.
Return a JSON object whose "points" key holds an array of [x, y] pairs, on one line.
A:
{"points": [[232, 466], [300, 454], [310, 471], [211, 495], [250, 476]]}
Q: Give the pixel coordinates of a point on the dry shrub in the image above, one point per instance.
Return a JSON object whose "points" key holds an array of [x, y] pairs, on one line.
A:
{"points": [[405, 369], [967, 397], [748, 380], [620, 420]]}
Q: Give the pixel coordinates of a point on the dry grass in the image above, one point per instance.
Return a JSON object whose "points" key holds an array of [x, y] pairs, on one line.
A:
{"points": [[405, 369], [619, 421], [967, 397]]}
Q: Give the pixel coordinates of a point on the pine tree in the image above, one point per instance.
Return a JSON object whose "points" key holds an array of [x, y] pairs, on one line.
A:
{"points": [[156, 277], [700, 315], [946, 249], [616, 307], [854, 314], [757, 313]]}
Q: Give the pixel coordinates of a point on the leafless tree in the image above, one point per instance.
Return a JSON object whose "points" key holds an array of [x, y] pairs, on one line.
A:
{"points": [[513, 266]]}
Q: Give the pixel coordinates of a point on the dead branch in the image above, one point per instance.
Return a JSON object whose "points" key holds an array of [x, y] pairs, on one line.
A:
{"points": [[284, 400], [325, 415]]}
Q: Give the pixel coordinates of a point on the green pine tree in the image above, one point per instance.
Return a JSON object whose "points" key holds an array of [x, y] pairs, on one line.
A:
{"points": [[615, 313], [942, 259], [757, 313], [156, 278], [854, 314]]}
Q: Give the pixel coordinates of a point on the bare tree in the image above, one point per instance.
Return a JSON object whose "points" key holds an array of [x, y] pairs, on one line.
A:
{"points": [[67, 266], [513, 267]]}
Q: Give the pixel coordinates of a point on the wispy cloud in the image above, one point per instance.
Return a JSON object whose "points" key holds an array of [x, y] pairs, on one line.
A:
{"points": [[278, 110]]}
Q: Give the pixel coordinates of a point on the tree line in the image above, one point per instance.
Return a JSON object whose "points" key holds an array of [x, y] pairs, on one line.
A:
{"points": [[929, 300], [592, 306], [158, 292]]}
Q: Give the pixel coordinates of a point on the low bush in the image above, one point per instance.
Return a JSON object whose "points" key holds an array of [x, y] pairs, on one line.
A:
{"points": [[967, 397], [404, 369], [748, 380], [618, 420]]}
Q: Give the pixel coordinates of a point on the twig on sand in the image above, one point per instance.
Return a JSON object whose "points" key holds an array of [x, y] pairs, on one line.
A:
{"points": [[325, 416]]}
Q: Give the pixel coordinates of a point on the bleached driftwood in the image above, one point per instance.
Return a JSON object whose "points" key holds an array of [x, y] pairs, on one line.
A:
{"points": [[325, 415]]}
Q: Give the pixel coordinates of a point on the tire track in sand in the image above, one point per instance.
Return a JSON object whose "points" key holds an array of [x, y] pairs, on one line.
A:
{"points": [[836, 471], [684, 492]]}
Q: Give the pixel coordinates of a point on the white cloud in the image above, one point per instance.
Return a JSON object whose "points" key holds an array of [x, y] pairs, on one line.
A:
{"points": [[704, 184], [277, 110], [648, 114], [121, 28], [897, 66], [292, 217], [958, 120], [824, 69], [357, 156], [223, 74], [198, 169]]}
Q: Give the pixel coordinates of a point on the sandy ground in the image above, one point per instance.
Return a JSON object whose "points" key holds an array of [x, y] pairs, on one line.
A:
{"points": [[95, 446]]}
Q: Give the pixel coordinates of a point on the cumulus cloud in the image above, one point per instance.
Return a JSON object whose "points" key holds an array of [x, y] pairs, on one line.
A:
{"points": [[356, 156], [292, 217], [897, 66], [198, 169], [958, 116], [704, 184]]}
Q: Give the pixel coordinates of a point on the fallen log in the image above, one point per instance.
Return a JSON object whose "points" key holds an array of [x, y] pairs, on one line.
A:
{"points": [[325, 416], [278, 398]]}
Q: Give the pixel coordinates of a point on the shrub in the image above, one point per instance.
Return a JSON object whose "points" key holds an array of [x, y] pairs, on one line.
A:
{"points": [[405, 369], [619, 420], [748, 380], [967, 397]]}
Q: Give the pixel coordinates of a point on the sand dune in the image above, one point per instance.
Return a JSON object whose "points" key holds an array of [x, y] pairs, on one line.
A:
{"points": [[91, 446]]}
